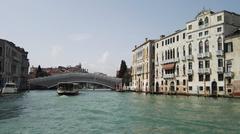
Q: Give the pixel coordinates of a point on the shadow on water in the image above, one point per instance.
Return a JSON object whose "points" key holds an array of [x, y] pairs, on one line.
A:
{"points": [[11, 105]]}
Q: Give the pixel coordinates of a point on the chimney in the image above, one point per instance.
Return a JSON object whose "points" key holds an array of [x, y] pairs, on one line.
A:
{"points": [[162, 36], [146, 39]]}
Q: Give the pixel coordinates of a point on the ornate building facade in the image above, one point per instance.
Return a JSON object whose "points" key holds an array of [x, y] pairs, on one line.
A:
{"points": [[14, 64], [194, 60]]}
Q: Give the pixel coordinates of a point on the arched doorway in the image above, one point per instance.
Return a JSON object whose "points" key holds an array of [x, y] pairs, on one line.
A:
{"points": [[172, 87], [214, 88], [157, 87]]}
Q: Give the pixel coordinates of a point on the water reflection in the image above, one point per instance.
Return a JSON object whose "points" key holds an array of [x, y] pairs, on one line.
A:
{"points": [[11, 105]]}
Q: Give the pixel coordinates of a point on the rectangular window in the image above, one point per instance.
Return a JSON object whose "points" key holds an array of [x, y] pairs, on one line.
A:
{"points": [[229, 47], [206, 33], [177, 82], [162, 43], [200, 64], [189, 27], [165, 42], [190, 78], [183, 35], [200, 34], [173, 39], [219, 18], [208, 88], [207, 64], [220, 77], [200, 77], [220, 88], [189, 36], [190, 88], [219, 29], [0, 51], [184, 82], [207, 77], [220, 62], [190, 65], [201, 88], [177, 38]]}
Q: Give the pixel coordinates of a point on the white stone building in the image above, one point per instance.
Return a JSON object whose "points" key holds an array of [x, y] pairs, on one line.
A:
{"points": [[232, 66], [143, 67], [191, 61], [194, 60]]}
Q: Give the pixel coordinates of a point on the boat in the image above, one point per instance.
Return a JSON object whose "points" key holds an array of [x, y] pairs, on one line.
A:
{"points": [[9, 88], [67, 88]]}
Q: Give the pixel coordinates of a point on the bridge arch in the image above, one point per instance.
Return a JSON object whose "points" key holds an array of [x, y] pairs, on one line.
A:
{"points": [[51, 81]]}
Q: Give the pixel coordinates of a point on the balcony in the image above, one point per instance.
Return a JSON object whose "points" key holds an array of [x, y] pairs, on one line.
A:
{"points": [[207, 55], [220, 69], [189, 57], [228, 74], [183, 58], [176, 59], [190, 72], [168, 76], [207, 70], [200, 55], [201, 71], [170, 61], [219, 53]]}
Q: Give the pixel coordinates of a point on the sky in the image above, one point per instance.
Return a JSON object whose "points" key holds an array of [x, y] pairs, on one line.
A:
{"points": [[96, 33]]}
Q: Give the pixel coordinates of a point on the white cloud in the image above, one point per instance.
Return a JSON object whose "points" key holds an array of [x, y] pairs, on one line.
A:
{"points": [[80, 36], [103, 57], [56, 51]]}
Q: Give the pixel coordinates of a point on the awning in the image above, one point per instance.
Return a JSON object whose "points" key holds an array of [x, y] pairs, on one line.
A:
{"points": [[168, 66]]}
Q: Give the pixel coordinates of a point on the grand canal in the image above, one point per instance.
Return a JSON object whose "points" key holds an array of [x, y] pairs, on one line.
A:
{"points": [[107, 112]]}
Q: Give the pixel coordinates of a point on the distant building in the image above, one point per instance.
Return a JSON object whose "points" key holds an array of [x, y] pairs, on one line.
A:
{"points": [[14, 64], [58, 70]]}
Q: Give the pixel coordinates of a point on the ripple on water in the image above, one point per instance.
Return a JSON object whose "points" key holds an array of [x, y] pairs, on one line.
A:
{"points": [[94, 112]]}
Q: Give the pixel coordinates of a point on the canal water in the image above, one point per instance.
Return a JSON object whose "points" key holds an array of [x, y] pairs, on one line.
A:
{"points": [[108, 112]]}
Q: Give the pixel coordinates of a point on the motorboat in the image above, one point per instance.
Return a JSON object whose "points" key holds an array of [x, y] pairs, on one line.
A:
{"points": [[67, 88], [9, 88]]}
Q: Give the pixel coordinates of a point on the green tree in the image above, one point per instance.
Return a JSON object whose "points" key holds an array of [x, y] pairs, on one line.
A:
{"points": [[124, 73], [40, 72], [123, 69]]}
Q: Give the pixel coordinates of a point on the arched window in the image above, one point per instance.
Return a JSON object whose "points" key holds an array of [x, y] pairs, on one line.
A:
{"points": [[165, 55], [190, 49], [200, 22], [168, 54], [206, 20], [200, 47], [184, 51], [219, 43], [206, 46], [162, 57], [184, 69], [177, 52], [177, 70], [173, 53]]}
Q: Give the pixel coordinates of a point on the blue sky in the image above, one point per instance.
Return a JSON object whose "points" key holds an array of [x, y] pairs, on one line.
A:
{"points": [[97, 33]]}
